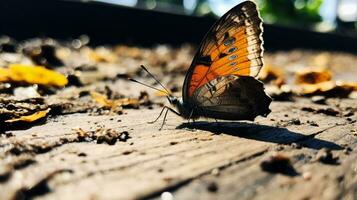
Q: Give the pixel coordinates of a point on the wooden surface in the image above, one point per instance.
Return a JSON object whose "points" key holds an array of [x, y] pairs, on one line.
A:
{"points": [[205, 160]]}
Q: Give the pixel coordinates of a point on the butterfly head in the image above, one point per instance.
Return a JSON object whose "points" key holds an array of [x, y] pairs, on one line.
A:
{"points": [[177, 102]]}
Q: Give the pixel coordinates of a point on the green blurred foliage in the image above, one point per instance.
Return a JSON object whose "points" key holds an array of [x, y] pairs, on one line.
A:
{"points": [[285, 12], [291, 12]]}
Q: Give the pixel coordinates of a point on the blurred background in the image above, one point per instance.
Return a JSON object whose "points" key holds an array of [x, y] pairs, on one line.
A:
{"points": [[289, 24], [319, 15]]}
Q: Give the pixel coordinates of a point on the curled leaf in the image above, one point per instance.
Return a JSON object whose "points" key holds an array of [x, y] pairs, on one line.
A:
{"points": [[30, 118]]}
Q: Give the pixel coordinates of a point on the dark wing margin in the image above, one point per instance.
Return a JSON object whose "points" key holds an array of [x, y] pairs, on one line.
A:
{"points": [[233, 45]]}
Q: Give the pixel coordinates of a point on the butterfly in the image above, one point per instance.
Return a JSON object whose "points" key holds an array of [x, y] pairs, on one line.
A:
{"points": [[220, 83]]}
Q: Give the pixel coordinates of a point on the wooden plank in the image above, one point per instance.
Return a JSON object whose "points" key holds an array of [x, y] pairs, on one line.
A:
{"points": [[181, 160]]}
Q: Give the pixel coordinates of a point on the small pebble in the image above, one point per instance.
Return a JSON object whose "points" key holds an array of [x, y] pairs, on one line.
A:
{"points": [[296, 145], [307, 176], [215, 172], [167, 196], [318, 99]]}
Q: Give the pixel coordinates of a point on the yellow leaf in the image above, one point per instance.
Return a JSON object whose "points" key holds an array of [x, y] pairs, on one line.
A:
{"points": [[102, 99], [127, 102], [30, 118], [160, 93], [4, 75], [102, 55], [108, 103], [33, 75]]}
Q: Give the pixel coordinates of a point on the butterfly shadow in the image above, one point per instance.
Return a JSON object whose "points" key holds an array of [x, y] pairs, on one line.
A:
{"points": [[262, 133]]}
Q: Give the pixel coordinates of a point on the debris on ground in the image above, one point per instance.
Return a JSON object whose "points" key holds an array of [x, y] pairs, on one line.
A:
{"points": [[278, 163], [326, 156], [71, 121]]}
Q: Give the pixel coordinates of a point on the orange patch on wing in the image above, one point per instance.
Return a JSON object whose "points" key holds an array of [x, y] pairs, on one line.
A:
{"points": [[224, 66], [238, 34], [197, 76]]}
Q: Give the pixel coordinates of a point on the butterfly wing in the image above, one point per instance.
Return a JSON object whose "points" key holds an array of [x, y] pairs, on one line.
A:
{"points": [[232, 97], [233, 46]]}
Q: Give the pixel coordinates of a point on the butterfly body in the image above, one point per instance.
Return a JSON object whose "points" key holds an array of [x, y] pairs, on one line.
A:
{"points": [[220, 83], [228, 98]]}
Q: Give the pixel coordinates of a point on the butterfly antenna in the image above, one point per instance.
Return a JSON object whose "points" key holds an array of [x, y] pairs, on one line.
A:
{"points": [[163, 91], [157, 81]]}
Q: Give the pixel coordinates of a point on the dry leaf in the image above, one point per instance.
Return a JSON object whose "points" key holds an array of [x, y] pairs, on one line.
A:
{"points": [[32, 75], [314, 88], [347, 85], [30, 118], [102, 55], [313, 76], [112, 104], [160, 94], [327, 88], [270, 73], [102, 99], [4, 75]]}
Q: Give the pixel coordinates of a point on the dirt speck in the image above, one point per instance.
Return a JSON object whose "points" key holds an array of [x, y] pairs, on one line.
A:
{"points": [[212, 187], [173, 143], [325, 156], [82, 154], [278, 163]]}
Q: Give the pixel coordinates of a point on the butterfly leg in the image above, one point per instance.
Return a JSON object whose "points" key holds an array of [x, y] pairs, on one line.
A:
{"points": [[165, 107], [189, 117], [168, 109], [162, 111], [164, 121]]}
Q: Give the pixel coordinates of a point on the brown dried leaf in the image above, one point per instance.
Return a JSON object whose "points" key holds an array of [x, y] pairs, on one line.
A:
{"points": [[313, 76], [328, 88]]}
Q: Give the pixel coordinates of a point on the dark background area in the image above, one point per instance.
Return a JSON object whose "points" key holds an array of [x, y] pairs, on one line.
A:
{"points": [[109, 24]]}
